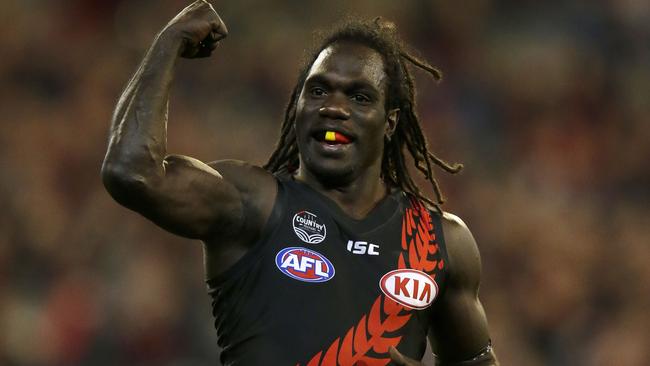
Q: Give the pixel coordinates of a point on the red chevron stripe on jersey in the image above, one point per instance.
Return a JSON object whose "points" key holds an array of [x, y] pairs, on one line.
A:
{"points": [[378, 329]]}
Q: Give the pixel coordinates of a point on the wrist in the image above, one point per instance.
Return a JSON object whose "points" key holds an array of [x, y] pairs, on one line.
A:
{"points": [[170, 40]]}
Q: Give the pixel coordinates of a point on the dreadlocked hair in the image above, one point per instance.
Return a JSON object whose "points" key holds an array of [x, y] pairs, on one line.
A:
{"points": [[381, 36]]}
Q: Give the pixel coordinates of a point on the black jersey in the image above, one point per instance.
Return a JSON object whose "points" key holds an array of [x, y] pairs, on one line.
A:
{"points": [[321, 288]]}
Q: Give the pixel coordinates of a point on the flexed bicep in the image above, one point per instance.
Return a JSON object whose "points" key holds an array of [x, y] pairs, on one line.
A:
{"points": [[188, 198], [194, 200]]}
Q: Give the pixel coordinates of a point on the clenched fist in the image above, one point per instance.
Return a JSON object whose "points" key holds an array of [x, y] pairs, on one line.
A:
{"points": [[199, 28]]}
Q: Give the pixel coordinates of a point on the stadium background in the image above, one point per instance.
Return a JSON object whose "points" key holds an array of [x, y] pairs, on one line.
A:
{"points": [[546, 103]]}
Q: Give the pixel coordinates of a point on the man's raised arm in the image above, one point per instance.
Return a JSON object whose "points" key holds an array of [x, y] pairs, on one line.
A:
{"points": [[179, 193]]}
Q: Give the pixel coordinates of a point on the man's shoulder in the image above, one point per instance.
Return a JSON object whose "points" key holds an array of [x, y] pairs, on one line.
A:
{"points": [[233, 166], [456, 232], [246, 177], [464, 257], [454, 223], [258, 189]]}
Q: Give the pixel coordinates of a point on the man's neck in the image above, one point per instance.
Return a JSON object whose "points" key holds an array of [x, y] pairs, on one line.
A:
{"points": [[356, 198]]}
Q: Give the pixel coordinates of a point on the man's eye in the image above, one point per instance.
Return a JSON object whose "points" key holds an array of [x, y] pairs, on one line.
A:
{"points": [[360, 98], [318, 92]]}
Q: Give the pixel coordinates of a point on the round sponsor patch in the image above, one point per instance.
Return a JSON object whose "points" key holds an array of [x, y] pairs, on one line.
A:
{"points": [[308, 227], [304, 265], [409, 287]]}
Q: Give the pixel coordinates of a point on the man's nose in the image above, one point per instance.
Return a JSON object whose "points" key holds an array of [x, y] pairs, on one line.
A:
{"points": [[335, 108]]}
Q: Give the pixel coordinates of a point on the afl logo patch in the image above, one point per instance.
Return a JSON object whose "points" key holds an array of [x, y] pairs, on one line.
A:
{"points": [[409, 287], [304, 265], [309, 227]]}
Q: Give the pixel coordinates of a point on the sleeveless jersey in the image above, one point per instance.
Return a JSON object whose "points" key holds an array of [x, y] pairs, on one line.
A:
{"points": [[321, 288]]}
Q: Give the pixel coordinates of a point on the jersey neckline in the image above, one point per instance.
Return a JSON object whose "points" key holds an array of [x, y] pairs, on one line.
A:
{"points": [[386, 208]]}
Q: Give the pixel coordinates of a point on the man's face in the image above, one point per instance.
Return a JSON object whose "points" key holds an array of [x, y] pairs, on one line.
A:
{"points": [[340, 117]]}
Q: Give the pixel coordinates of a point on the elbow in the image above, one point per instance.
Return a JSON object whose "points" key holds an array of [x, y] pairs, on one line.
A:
{"points": [[123, 183]]}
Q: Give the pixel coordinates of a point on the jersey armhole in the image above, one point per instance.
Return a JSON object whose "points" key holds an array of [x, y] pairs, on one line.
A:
{"points": [[437, 217], [253, 253]]}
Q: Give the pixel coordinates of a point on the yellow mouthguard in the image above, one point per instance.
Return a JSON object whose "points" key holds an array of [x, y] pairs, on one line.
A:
{"points": [[330, 136]]}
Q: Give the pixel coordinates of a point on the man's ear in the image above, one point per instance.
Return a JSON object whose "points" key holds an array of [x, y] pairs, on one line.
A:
{"points": [[392, 118]]}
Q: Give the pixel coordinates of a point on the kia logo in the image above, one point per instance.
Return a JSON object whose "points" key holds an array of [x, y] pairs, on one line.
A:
{"points": [[409, 287]]}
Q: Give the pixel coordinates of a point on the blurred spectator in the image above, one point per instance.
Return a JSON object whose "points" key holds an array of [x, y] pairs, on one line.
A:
{"points": [[546, 104]]}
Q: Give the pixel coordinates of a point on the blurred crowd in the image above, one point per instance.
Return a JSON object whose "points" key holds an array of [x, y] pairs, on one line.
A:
{"points": [[546, 103]]}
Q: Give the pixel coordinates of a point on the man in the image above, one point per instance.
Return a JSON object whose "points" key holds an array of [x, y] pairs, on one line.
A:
{"points": [[330, 254]]}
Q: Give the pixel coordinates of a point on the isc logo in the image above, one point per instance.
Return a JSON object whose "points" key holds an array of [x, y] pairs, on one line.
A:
{"points": [[409, 287], [362, 247], [304, 265]]}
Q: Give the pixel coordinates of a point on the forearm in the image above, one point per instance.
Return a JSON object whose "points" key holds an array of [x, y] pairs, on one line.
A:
{"points": [[138, 134]]}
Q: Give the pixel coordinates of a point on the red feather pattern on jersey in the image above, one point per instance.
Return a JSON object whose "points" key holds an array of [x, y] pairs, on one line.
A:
{"points": [[373, 331]]}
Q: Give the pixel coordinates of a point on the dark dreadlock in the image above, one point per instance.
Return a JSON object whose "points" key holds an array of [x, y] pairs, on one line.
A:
{"points": [[382, 37]]}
